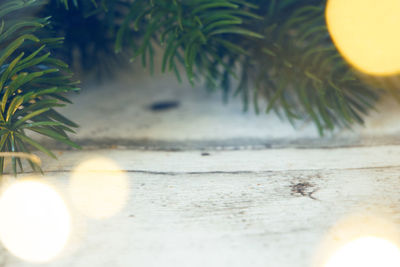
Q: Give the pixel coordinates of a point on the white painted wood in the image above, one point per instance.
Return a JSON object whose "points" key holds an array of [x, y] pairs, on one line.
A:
{"points": [[268, 208], [236, 161]]}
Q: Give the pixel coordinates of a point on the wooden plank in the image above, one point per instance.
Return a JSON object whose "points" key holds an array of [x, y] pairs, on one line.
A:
{"points": [[276, 218], [234, 161]]}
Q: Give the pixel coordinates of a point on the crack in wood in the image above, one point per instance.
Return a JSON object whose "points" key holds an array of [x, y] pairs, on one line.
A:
{"points": [[236, 172]]}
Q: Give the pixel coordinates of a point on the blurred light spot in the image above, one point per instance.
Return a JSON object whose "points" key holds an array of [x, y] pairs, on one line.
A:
{"points": [[99, 188], [34, 221], [366, 252], [366, 33], [361, 240]]}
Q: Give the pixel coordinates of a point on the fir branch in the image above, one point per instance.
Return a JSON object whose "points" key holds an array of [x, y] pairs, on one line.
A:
{"points": [[293, 63], [197, 34], [32, 84], [299, 71]]}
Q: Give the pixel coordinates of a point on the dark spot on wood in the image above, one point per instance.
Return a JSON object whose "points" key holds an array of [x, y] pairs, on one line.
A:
{"points": [[205, 154], [304, 189], [163, 105]]}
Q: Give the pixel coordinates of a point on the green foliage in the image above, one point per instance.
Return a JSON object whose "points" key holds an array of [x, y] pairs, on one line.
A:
{"points": [[103, 4], [199, 34], [32, 84], [281, 48], [299, 71]]}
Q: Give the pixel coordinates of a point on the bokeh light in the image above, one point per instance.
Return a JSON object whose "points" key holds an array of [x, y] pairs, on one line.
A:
{"points": [[99, 188], [366, 33], [360, 240], [34, 221], [366, 251]]}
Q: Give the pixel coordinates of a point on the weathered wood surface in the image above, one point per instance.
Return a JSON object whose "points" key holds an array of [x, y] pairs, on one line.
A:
{"points": [[230, 208], [208, 186]]}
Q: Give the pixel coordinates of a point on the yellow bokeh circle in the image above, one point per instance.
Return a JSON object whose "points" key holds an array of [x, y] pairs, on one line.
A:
{"points": [[367, 251], [366, 33], [368, 240], [34, 221], [99, 188]]}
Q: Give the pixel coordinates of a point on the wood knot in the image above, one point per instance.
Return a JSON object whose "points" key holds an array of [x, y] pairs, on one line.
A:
{"points": [[304, 189]]}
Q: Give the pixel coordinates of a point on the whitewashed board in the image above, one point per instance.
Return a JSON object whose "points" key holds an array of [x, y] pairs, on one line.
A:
{"points": [[230, 208]]}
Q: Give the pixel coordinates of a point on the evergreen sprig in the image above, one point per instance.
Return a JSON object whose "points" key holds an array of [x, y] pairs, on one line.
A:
{"points": [[32, 84], [298, 70], [289, 58], [197, 34], [276, 50]]}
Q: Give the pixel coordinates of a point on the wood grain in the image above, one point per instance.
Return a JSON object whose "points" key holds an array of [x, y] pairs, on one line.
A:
{"points": [[230, 208]]}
